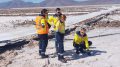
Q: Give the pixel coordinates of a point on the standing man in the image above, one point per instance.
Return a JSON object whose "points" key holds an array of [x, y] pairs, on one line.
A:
{"points": [[60, 31], [57, 15], [42, 27], [53, 21]]}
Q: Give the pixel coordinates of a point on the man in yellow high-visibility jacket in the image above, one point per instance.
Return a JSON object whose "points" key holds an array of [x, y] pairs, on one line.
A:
{"points": [[81, 42], [59, 37], [42, 27], [53, 20]]}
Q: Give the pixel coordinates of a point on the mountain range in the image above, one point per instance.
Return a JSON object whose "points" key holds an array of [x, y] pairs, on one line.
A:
{"points": [[53, 3], [95, 2]]}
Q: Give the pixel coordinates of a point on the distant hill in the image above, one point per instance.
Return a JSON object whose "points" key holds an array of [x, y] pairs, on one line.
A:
{"points": [[46, 3], [16, 4], [52, 3], [58, 3], [95, 2]]}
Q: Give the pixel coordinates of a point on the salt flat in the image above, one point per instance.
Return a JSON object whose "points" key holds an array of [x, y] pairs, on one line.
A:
{"points": [[7, 27], [105, 53]]}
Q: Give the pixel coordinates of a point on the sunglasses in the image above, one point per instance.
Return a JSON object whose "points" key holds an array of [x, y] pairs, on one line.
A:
{"points": [[82, 32]]}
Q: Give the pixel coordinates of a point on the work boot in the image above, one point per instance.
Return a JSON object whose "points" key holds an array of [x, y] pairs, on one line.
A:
{"points": [[44, 56], [77, 52], [82, 51], [40, 54], [89, 53], [63, 51], [63, 60]]}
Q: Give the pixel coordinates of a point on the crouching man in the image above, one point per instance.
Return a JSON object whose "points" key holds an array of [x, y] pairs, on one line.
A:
{"points": [[81, 42]]}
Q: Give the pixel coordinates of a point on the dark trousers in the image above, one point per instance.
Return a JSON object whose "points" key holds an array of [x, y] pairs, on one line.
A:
{"points": [[43, 42], [59, 44], [81, 47], [59, 37]]}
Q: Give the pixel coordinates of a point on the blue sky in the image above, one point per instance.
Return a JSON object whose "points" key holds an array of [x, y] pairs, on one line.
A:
{"points": [[35, 1]]}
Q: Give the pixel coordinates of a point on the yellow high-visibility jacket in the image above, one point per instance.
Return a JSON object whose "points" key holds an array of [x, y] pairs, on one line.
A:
{"points": [[53, 20], [78, 39], [60, 27]]}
